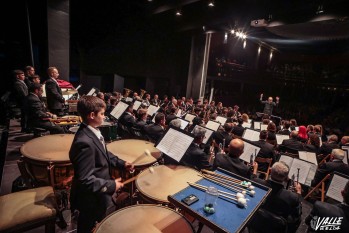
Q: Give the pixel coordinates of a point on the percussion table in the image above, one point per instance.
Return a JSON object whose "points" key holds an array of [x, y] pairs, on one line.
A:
{"points": [[144, 219], [46, 159], [228, 216], [156, 186]]}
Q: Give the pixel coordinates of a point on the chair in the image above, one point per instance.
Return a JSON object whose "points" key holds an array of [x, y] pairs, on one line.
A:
{"points": [[28, 209], [266, 221], [268, 161], [322, 183]]}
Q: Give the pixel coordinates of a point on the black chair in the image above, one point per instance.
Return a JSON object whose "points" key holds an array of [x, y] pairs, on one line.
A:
{"points": [[266, 221]]}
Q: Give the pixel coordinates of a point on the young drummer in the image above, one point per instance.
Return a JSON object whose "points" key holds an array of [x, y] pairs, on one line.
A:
{"points": [[93, 186]]}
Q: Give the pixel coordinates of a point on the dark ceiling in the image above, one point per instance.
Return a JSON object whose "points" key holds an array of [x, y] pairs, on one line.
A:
{"points": [[298, 26]]}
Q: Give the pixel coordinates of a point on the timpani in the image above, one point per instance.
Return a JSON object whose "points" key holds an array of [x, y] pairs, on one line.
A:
{"points": [[46, 159], [145, 219], [133, 151], [155, 187]]}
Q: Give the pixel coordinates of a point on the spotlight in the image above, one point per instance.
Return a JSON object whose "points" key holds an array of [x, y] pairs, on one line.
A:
{"points": [[244, 45], [225, 38], [178, 13], [211, 3], [320, 9], [259, 49], [232, 31]]}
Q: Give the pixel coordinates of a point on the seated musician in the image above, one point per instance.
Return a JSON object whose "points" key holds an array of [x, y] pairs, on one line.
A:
{"points": [[37, 114], [238, 130], [176, 123], [195, 157], [336, 165], [92, 186], [172, 115], [327, 147], [128, 119], [232, 162], [142, 118], [322, 210], [283, 202], [156, 130], [266, 151], [293, 142], [225, 134]]}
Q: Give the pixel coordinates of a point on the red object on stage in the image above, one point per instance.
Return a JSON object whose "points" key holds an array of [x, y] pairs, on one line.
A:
{"points": [[64, 84]]}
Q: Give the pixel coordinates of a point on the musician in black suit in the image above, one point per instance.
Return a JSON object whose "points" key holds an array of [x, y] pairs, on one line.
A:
{"points": [[231, 161], [293, 143], [282, 202], [195, 157], [172, 115], [225, 134], [327, 147], [20, 91], [156, 130], [37, 114], [239, 130], [128, 119], [322, 210], [336, 165], [54, 95], [286, 128], [266, 151], [155, 101], [93, 185]]}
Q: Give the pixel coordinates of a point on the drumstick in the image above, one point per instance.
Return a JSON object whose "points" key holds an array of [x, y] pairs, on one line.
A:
{"points": [[240, 200], [238, 182], [227, 182], [238, 195], [146, 152], [135, 177], [222, 181]]}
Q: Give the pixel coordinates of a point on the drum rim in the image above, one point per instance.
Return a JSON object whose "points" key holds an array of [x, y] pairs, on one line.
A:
{"points": [[32, 157], [154, 198], [145, 205]]}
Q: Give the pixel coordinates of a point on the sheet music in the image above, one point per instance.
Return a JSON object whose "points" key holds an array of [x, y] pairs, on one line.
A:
{"points": [[208, 133], [264, 127], [91, 92], [119, 109], [280, 138], [246, 125], [304, 168], [296, 128], [308, 156], [136, 105], [152, 109], [336, 186], [213, 125], [286, 159], [184, 123], [129, 99], [174, 144], [189, 117], [251, 135], [221, 120], [311, 175], [179, 113], [257, 124], [248, 150], [346, 154], [249, 121]]}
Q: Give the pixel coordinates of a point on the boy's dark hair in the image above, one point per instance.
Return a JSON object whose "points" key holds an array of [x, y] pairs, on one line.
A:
{"points": [[88, 104]]}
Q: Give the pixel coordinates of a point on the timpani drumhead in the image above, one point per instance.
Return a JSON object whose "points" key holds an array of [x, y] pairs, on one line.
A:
{"points": [[132, 150], [144, 219], [48, 148], [164, 181], [74, 129]]}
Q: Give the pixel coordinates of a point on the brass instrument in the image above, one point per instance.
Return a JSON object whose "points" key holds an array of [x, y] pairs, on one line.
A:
{"points": [[142, 92], [127, 92]]}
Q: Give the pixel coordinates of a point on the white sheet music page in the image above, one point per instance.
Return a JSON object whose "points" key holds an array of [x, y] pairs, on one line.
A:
{"points": [[91, 92], [136, 105], [336, 186], [264, 127], [251, 135], [174, 144], [208, 133], [304, 168], [221, 120], [286, 159], [152, 109], [346, 154], [179, 113], [213, 125], [257, 124], [246, 125], [311, 174], [280, 138], [184, 123], [189, 117], [308, 156], [119, 109], [248, 150]]}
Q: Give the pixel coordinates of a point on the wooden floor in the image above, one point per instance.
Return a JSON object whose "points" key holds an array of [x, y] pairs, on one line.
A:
{"points": [[16, 139]]}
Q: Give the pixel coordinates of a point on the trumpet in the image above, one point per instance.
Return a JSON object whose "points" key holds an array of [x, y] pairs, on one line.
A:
{"points": [[127, 92], [142, 92]]}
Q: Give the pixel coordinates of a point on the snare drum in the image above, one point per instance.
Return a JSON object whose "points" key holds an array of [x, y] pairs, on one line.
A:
{"points": [[145, 219], [165, 180], [46, 160], [108, 131]]}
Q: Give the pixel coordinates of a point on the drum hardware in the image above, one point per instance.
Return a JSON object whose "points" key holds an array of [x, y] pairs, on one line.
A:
{"points": [[127, 92], [142, 92]]}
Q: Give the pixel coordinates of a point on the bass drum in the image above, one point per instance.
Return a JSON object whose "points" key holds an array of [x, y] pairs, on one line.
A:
{"points": [[108, 131]]}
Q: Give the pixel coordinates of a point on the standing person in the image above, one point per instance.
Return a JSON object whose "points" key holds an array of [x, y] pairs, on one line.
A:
{"points": [[269, 104], [54, 95], [21, 92], [93, 185], [29, 72]]}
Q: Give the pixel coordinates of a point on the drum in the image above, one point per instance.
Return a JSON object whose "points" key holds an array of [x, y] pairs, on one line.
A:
{"points": [[74, 129], [108, 131], [46, 160], [154, 187], [145, 219]]}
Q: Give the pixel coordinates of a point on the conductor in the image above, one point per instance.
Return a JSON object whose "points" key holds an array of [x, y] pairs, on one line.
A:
{"points": [[269, 104]]}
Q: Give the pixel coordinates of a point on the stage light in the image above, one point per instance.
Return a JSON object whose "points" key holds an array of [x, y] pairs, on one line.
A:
{"points": [[244, 45], [178, 12], [271, 55], [225, 38], [211, 3], [232, 31], [259, 50]]}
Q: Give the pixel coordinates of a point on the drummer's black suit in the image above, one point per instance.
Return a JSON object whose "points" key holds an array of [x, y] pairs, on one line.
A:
{"points": [[93, 186]]}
